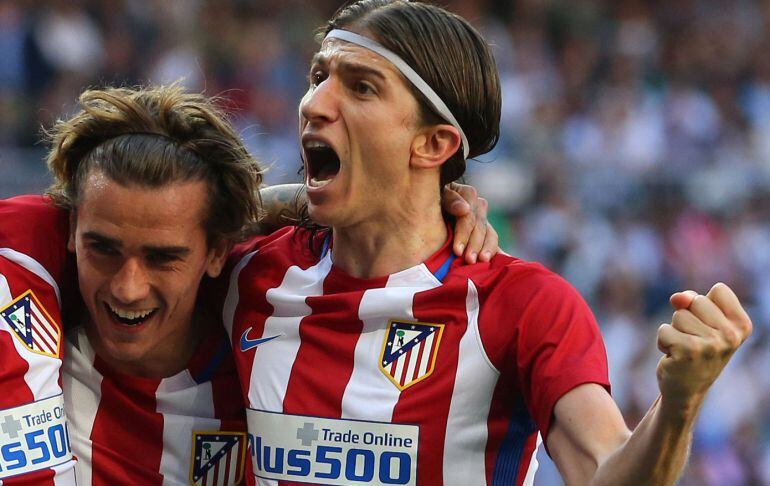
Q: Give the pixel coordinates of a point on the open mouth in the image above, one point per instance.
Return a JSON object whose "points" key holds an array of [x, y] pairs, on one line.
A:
{"points": [[323, 163], [130, 318]]}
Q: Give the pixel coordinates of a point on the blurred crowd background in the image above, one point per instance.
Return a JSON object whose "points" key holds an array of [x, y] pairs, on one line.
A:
{"points": [[634, 157]]}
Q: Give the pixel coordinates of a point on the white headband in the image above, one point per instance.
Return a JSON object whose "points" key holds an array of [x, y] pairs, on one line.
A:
{"points": [[409, 73]]}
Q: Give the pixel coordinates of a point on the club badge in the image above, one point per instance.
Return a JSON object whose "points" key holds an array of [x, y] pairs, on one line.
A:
{"points": [[218, 458], [409, 351], [32, 324]]}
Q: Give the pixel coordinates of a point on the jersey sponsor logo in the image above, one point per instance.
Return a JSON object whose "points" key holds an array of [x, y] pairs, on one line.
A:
{"points": [[218, 458], [33, 437], [409, 351], [32, 324], [247, 344], [316, 450]]}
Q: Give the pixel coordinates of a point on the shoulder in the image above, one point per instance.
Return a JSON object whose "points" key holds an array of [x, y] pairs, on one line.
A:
{"points": [[506, 277], [291, 245], [31, 226]]}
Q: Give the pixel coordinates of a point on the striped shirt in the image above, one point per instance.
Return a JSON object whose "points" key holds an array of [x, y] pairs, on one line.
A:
{"points": [[443, 373], [185, 429], [34, 439]]}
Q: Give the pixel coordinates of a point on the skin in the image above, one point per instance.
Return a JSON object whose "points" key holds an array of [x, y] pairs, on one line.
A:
{"points": [[385, 218], [589, 441], [383, 205], [475, 239], [141, 249]]}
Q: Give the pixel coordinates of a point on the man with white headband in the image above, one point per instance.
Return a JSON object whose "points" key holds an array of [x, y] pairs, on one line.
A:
{"points": [[369, 355]]}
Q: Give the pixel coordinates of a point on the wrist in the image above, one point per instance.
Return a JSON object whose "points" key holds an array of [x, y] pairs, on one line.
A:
{"points": [[681, 409]]}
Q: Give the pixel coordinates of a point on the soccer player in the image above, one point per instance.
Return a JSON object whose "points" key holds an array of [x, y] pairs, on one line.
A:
{"points": [[370, 355], [158, 186]]}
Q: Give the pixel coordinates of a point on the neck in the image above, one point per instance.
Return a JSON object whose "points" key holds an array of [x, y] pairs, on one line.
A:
{"points": [[389, 244], [165, 361]]}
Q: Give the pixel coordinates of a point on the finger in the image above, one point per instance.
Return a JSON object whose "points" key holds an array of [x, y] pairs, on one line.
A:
{"points": [[686, 322], [475, 243], [491, 244], [673, 342], [454, 203], [463, 230], [682, 300], [724, 297], [709, 313]]}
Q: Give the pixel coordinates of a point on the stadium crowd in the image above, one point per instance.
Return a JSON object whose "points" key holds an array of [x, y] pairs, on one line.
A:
{"points": [[634, 158]]}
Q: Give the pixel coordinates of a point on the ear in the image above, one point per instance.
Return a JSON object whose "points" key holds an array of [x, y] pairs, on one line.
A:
{"points": [[434, 144], [217, 257], [73, 227]]}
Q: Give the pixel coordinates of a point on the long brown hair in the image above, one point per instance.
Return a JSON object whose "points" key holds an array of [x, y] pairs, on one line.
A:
{"points": [[152, 137]]}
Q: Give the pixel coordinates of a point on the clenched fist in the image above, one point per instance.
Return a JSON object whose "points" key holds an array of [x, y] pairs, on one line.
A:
{"points": [[704, 333]]}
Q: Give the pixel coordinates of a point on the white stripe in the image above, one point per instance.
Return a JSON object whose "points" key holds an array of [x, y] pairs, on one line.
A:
{"points": [[369, 394], [276, 358], [466, 428], [210, 477], [412, 362], [427, 352], [44, 337], [65, 474], [82, 394], [529, 479], [186, 406], [232, 464], [400, 363], [224, 463], [33, 266], [43, 322], [42, 377]]}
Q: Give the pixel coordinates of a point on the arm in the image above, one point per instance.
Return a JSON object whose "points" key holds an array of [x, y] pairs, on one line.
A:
{"points": [[475, 238], [589, 440]]}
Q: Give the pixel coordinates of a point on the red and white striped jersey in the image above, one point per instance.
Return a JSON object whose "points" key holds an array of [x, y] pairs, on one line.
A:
{"points": [[442, 373], [185, 429], [34, 444]]}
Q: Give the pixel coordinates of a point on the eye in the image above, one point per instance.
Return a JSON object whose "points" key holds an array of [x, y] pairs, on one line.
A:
{"points": [[316, 77], [162, 258], [102, 248], [364, 88]]}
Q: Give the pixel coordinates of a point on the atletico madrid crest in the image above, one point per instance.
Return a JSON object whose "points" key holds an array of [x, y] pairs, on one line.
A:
{"points": [[409, 351], [218, 458], [32, 324]]}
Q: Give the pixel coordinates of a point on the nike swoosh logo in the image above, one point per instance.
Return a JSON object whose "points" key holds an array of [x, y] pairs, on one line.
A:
{"points": [[247, 344]]}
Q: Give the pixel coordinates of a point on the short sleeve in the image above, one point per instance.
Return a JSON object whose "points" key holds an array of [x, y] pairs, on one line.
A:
{"points": [[544, 338]]}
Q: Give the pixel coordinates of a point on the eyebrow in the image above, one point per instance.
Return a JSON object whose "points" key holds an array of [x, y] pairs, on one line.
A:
{"points": [[349, 67], [168, 249]]}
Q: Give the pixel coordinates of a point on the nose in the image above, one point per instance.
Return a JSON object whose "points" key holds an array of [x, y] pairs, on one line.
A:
{"points": [[131, 283], [321, 102]]}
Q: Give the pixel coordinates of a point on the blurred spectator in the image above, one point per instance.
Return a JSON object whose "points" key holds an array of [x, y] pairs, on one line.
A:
{"points": [[634, 156]]}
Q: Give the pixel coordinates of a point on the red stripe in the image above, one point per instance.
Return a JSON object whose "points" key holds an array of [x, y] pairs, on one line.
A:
{"points": [[411, 407], [226, 460], [40, 325], [127, 433], [215, 476], [416, 373], [404, 370], [326, 363], [40, 345]]}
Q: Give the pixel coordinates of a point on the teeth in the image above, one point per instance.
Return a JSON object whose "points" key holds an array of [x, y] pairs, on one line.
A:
{"points": [[315, 144], [131, 314], [316, 183]]}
